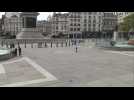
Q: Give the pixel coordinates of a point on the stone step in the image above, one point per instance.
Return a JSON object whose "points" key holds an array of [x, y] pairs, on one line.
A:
{"points": [[30, 33]]}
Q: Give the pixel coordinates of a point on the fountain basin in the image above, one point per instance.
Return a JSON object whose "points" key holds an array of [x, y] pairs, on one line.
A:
{"points": [[5, 54], [131, 42], [118, 46]]}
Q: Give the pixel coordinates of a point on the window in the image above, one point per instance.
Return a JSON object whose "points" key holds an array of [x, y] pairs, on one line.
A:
{"points": [[85, 21], [78, 29], [89, 29], [89, 21], [85, 25], [78, 24], [71, 24], [84, 29], [94, 21], [71, 29]]}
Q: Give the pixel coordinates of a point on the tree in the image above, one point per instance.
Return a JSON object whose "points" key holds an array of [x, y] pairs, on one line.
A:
{"points": [[127, 24]]}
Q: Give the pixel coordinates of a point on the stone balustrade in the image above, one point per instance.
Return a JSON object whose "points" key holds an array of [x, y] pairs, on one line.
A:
{"points": [[29, 41]]}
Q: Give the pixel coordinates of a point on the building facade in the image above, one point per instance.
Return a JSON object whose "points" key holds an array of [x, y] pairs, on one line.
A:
{"points": [[122, 15], [0, 25], [40, 26], [12, 23], [60, 23], [109, 22], [74, 22], [44, 27], [77, 23], [49, 25], [91, 21]]}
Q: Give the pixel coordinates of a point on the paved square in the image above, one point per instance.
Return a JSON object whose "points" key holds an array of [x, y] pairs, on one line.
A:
{"points": [[23, 72], [90, 67]]}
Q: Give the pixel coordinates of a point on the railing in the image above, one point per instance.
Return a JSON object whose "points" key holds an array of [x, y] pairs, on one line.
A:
{"points": [[29, 41]]}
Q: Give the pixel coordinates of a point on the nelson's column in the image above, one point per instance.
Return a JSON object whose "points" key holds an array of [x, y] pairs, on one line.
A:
{"points": [[29, 30]]}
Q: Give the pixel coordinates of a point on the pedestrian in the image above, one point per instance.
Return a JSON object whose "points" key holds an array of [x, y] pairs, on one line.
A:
{"points": [[13, 45], [15, 52], [19, 49], [10, 46], [76, 49]]}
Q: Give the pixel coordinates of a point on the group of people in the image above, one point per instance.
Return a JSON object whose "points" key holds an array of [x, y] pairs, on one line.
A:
{"points": [[15, 51]]}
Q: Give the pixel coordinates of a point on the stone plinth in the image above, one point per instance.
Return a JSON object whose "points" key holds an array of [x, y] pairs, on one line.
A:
{"points": [[115, 36], [29, 30]]}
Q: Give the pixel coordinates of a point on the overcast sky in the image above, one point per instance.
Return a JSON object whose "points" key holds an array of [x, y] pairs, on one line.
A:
{"points": [[42, 16]]}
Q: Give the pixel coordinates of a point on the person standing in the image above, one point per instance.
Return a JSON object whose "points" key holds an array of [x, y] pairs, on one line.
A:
{"points": [[13, 45], [15, 52]]}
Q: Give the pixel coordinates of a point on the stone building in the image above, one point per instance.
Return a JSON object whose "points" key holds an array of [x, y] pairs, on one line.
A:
{"points": [[12, 23], [91, 21], [85, 23], [109, 22], [0, 25], [122, 15], [74, 22], [44, 27], [59, 24]]}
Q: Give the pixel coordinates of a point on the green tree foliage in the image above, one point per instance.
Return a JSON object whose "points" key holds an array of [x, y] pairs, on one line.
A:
{"points": [[128, 24]]}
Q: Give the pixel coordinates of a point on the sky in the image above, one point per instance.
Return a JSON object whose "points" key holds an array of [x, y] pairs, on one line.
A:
{"points": [[42, 16]]}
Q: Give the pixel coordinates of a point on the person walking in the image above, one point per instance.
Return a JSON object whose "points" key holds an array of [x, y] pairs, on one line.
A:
{"points": [[76, 49], [19, 49]]}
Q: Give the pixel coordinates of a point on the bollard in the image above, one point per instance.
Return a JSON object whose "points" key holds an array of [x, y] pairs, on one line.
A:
{"points": [[51, 44], [25, 45], [18, 44], [66, 44], [41, 45], [31, 45], [72, 43], [45, 44], [2, 43], [7, 45], [57, 44], [69, 43], [61, 44]]}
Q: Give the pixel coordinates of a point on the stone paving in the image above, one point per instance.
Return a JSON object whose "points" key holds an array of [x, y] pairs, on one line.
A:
{"points": [[89, 67], [22, 72]]}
